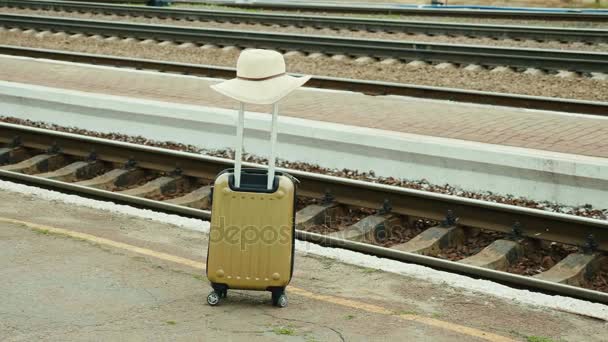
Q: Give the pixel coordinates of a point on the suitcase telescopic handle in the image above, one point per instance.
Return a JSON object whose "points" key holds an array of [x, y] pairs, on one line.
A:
{"points": [[238, 148], [273, 145], [238, 155]]}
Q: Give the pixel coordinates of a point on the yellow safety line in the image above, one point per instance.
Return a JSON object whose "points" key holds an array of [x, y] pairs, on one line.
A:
{"points": [[408, 317], [371, 308]]}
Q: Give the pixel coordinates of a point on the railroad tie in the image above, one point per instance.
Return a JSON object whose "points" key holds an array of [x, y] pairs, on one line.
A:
{"points": [[114, 178], [316, 214], [499, 255], [199, 198], [36, 164], [157, 187], [74, 171], [575, 269], [12, 155], [373, 228], [431, 241]]}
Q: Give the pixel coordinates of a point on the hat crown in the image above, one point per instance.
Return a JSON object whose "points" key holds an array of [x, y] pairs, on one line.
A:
{"points": [[257, 63]]}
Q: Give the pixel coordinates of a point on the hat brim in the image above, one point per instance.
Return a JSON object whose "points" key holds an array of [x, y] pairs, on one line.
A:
{"points": [[260, 92]]}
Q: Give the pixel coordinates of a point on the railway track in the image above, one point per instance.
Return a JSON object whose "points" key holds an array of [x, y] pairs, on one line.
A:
{"points": [[336, 23], [550, 60], [366, 87], [387, 221], [413, 10]]}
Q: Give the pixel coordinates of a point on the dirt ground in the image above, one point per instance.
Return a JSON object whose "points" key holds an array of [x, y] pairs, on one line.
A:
{"points": [[60, 288]]}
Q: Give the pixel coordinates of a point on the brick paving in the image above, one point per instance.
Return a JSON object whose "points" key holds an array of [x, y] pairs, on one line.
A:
{"points": [[495, 125]]}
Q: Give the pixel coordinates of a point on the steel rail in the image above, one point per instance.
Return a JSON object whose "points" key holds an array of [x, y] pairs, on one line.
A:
{"points": [[573, 14], [366, 87], [204, 166], [424, 27], [460, 54]]}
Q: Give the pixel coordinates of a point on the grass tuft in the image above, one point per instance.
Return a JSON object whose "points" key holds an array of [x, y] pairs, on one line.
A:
{"points": [[539, 339], [284, 331]]}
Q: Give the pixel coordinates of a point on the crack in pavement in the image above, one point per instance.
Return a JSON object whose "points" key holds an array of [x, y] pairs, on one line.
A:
{"points": [[307, 322]]}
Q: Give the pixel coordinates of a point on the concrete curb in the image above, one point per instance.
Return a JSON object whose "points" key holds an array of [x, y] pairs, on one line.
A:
{"points": [[540, 175]]}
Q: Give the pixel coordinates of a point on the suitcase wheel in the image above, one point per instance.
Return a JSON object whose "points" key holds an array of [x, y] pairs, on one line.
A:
{"points": [[279, 299], [213, 298], [282, 301]]}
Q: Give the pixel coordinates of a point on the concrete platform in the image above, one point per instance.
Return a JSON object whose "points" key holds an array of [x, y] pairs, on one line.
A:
{"points": [[76, 273], [540, 155], [493, 125]]}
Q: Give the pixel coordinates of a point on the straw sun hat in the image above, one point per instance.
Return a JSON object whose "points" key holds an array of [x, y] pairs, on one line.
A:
{"points": [[260, 78]]}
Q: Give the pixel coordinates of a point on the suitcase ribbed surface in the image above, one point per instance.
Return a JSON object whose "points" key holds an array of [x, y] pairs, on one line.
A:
{"points": [[251, 238]]}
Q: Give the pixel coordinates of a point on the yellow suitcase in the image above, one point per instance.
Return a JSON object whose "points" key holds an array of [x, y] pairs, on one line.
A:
{"points": [[251, 239]]}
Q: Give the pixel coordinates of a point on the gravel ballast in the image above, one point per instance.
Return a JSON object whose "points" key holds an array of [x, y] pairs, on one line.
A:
{"points": [[461, 40], [506, 81]]}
